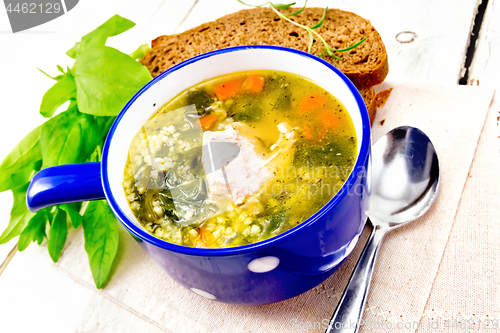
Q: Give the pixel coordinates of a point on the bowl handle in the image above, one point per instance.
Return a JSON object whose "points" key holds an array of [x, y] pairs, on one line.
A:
{"points": [[63, 184]]}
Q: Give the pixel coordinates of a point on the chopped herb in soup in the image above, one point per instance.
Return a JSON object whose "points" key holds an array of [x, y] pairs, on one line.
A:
{"points": [[239, 159]]}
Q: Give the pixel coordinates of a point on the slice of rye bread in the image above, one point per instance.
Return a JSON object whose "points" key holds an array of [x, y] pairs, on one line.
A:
{"points": [[366, 65], [368, 95]]}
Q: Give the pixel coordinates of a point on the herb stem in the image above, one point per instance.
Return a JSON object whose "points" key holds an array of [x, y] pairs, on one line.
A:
{"points": [[310, 30]]}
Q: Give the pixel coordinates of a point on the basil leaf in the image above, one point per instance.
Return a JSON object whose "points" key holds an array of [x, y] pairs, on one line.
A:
{"points": [[11, 181], [62, 91], [101, 239], [140, 52], [106, 79], [23, 155], [33, 231], [73, 210], [57, 234], [19, 215], [98, 37], [69, 137]]}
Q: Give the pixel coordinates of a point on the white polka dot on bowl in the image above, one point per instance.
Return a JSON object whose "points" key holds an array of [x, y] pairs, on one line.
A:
{"points": [[263, 265], [203, 293]]}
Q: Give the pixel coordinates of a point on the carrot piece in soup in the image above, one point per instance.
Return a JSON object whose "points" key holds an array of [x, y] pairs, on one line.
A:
{"points": [[207, 237], [227, 90], [254, 84], [311, 102], [321, 133], [207, 121], [329, 119], [308, 134]]}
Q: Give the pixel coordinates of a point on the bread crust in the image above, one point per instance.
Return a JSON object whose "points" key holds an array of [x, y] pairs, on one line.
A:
{"points": [[365, 65], [368, 94]]}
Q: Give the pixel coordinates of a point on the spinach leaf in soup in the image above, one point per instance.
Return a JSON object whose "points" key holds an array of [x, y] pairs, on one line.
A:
{"points": [[246, 109], [201, 99], [166, 201], [273, 223], [333, 153], [284, 101]]}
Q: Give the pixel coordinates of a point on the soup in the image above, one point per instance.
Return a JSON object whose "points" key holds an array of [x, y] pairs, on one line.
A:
{"points": [[238, 159]]}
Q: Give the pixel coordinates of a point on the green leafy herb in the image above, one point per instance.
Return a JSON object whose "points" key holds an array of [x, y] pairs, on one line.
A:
{"points": [[310, 30], [101, 240], [106, 79], [9, 181], [97, 86], [140, 52], [23, 155], [63, 138], [297, 12], [61, 92], [34, 231], [19, 215], [57, 234], [98, 37], [283, 6], [73, 211], [57, 78]]}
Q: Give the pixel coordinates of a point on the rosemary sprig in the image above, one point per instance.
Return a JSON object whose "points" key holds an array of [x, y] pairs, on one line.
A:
{"points": [[310, 30]]}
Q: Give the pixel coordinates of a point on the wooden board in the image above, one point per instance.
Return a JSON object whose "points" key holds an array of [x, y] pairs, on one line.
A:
{"points": [[441, 28], [485, 66], [51, 296]]}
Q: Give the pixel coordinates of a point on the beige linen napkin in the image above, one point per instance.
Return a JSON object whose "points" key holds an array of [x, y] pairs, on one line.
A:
{"points": [[405, 275], [466, 292]]}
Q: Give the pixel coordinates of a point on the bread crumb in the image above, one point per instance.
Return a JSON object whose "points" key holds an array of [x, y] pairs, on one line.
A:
{"points": [[382, 97]]}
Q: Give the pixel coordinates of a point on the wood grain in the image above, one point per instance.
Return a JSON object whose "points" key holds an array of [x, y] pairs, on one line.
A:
{"points": [[436, 55], [485, 67], [62, 298]]}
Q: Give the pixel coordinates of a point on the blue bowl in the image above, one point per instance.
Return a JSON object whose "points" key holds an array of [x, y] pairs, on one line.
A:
{"points": [[265, 272]]}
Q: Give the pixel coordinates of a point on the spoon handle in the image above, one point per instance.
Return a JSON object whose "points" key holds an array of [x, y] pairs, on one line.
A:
{"points": [[349, 313]]}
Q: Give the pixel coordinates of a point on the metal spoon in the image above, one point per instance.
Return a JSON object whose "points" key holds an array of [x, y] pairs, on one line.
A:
{"points": [[405, 182]]}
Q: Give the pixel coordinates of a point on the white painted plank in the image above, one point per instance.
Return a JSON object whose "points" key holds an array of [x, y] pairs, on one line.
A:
{"points": [[32, 286], [436, 56], [37, 296], [442, 29], [485, 67]]}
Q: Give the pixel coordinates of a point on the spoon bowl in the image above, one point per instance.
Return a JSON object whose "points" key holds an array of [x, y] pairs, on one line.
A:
{"points": [[405, 183], [405, 176]]}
